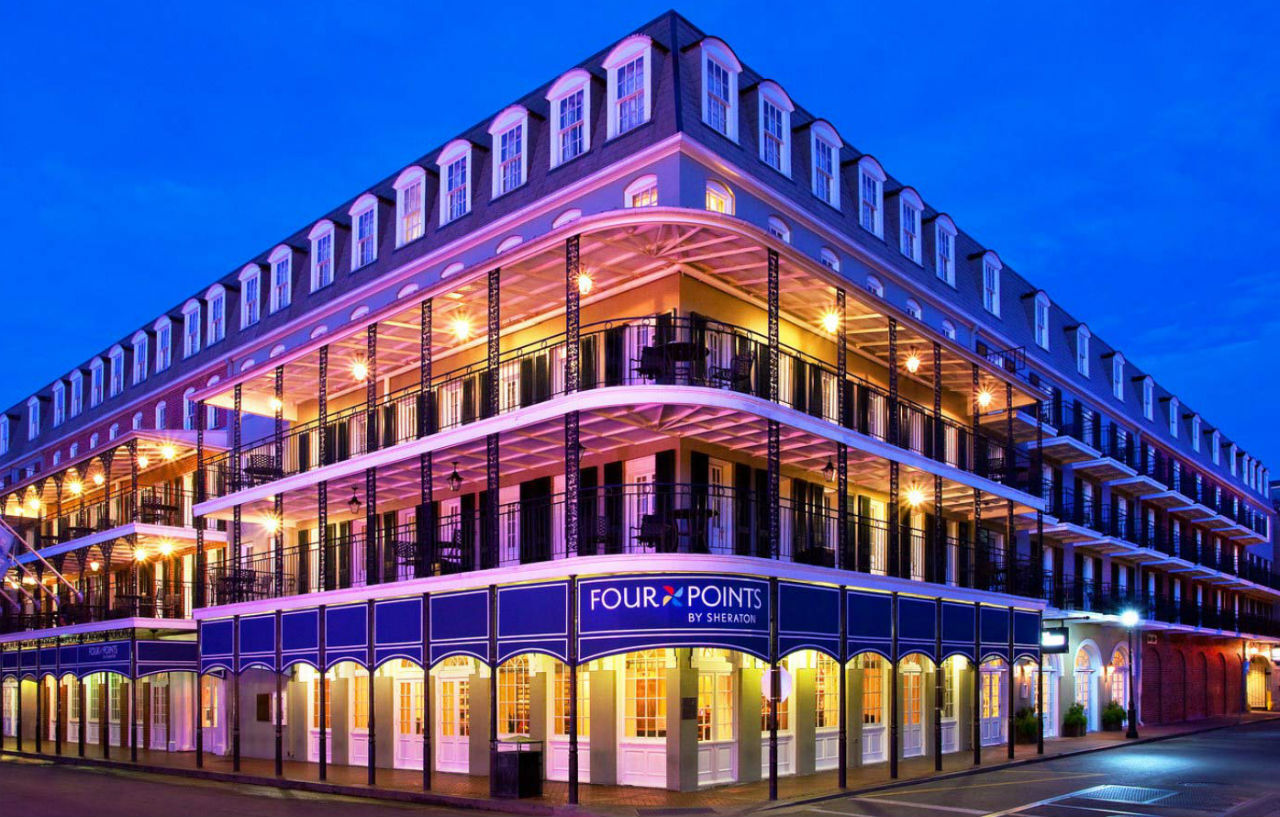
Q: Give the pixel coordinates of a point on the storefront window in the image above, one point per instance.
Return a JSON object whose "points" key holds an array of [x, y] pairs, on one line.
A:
{"points": [[827, 690], [872, 690], [715, 706], [646, 694], [560, 719], [514, 696]]}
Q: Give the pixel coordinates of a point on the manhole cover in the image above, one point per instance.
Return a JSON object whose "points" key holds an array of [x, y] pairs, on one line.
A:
{"points": [[1124, 794]]}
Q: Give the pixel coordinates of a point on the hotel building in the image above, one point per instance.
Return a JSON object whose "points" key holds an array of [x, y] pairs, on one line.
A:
{"points": [[649, 420]]}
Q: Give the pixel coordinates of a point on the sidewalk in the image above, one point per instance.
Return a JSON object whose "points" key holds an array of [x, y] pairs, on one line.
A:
{"points": [[467, 792]]}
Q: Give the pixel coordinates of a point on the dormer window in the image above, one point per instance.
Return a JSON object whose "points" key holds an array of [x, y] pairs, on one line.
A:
{"points": [[4, 434], [1042, 320], [96, 386], [1148, 398], [322, 260], [216, 298], [411, 205], [1173, 417], [364, 231], [720, 69], [775, 127], [1117, 376], [455, 176], [59, 404], [77, 393], [910, 208], [116, 356], [825, 144], [944, 249], [164, 344], [719, 198], [281, 261], [190, 328], [991, 268], [871, 196], [1195, 432], [628, 69], [1082, 349], [33, 418], [1232, 454], [141, 356], [570, 99], [643, 192], [1217, 447], [509, 133], [250, 295]]}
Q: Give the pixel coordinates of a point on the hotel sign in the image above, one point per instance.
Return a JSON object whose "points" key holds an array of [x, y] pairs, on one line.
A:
{"points": [[1054, 640]]}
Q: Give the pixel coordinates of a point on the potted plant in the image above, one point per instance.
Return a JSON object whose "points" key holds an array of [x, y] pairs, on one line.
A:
{"points": [[1074, 724], [1113, 717], [1026, 726]]}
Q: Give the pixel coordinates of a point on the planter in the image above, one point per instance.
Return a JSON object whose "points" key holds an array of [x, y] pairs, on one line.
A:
{"points": [[1074, 730]]}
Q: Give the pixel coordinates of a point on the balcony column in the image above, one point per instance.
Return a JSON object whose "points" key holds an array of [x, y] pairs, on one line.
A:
{"points": [[322, 524], [107, 457], [773, 308], [939, 685], [490, 555], [1010, 551], [84, 716], [277, 542], [573, 689], [279, 693], [371, 715], [977, 677], [973, 541], [371, 388], [939, 434], [842, 650], [493, 691], [895, 730], [894, 567], [373, 556], [57, 505], [426, 401], [893, 382], [842, 454], [775, 688], [427, 718], [939, 543], [774, 464], [425, 516], [134, 504], [572, 450], [133, 694], [973, 430], [323, 661], [237, 441], [1010, 450], [233, 558], [199, 497], [1009, 693], [322, 405]]}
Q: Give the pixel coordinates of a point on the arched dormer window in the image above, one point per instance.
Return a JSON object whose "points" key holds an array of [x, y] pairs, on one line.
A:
{"points": [[455, 180], [364, 231], [1195, 432], [944, 249], [871, 196], [190, 328], [1083, 335], [874, 286], [1117, 376], [629, 68], [141, 343], [991, 268], [116, 356], [570, 99], [1174, 410], [775, 127], [96, 386], [1148, 398], [824, 150], [281, 263], [250, 295], [76, 401], [1042, 320], [33, 418], [322, 260], [411, 205], [643, 192], [719, 198], [164, 343], [59, 403], [216, 298], [720, 70], [779, 229], [510, 138]]}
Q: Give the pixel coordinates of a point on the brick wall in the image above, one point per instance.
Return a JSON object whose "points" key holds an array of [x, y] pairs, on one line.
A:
{"points": [[1188, 678]]}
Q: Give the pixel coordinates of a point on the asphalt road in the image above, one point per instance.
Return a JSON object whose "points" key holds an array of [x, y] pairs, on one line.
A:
{"points": [[1233, 772], [36, 789]]}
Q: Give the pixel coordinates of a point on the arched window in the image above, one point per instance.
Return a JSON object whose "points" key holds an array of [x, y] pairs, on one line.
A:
{"points": [[1042, 320], [162, 420], [116, 356], [281, 261], [164, 345], [96, 378], [643, 192], [824, 148], [1082, 349], [77, 393], [944, 249], [514, 697], [914, 310], [137, 420], [455, 180], [33, 418], [190, 328], [59, 403], [411, 205], [775, 127], [216, 298], [93, 441], [720, 70], [364, 231], [570, 99], [874, 286], [188, 410], [251, 294], [141, 356], [991, 268], [779, 229], [949, 329], [113, 431], [719, 198], [322, 263], [829, 259], [910, 214], [629, 68], [1117, 376], [1148, 398], [871, 195], [510, 135]]}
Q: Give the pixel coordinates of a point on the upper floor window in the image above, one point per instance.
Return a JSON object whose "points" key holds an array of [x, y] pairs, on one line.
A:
{"points": [[914, 309], [944, 249], [33, 418], [77, 393], [189, 410], [991, 268], [455, 177], [1042, 320], [95, 382], [74, 450], [910, 209], [93, 441], [1174, 409], [250, 295], [411, 205], [281, 262], [322, 261], [775, 127], [874, 286], [779, 229], [570, 99], [57, 458], [59, 403], [1231, 458], [1117, 376], [216, 297], [643, 192], [164, 344], [1195, 432], [113, 431], [628, 69], [190, 328], [871, 195], [162, 415], [116, 356], [1148, 398], [824, 145], [829, 259], [1216, 445], [509, 134], [1082, 349], [949, 329], [719, 198], [141, 356], [364, 231], [720, 69], [4, 434]]}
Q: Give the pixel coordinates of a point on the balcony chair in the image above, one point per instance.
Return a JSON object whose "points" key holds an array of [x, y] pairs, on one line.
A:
{"points": [[652, 363], [261, 469], [657, 533], [737, 375]]}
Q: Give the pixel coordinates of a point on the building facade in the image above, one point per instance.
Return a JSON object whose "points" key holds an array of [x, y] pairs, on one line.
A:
{"points": [[649, 420]]}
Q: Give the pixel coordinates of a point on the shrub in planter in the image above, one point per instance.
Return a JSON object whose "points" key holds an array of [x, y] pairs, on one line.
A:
{"points": [[1113, 717], [1074, 724], [1026, 725]]}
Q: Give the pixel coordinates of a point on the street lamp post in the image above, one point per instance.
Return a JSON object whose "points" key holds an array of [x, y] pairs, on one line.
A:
{"points": [[1129, 618]]}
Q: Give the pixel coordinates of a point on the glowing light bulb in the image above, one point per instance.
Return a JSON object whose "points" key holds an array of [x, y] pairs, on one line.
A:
{"points": [[33, 503], [276, 403], [98, 479], [166, 548], [461, 327], [359, 370], [168, 452], [140, 554], [94, 565], [913, 363], [831, 322], [914, 496], [271, 523], [984, 398], [143, 462], [77, 488], [584, 283]]}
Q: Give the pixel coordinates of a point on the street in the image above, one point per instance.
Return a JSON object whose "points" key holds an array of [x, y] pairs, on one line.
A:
{"points": [[1227, 772]]}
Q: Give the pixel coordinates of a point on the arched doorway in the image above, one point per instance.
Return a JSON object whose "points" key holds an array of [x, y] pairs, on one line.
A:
{"points": [[913, 672], [453, 679], [872, 674], [992, 700], [1118, 677], [952, 698], [10, 706], [1257, 686], [1088, 666], [1052, 677]]}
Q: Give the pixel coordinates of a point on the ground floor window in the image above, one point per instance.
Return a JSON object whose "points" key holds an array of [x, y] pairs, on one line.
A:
{"points": [[715, 706], [360, 701], [827, 692], [409, 701], [560, 714], [514, 693], [645, 688], [872, 690], [328, 703]]}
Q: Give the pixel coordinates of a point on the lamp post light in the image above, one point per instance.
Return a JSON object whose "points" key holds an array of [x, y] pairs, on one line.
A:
{"points": [[1130, 618]]}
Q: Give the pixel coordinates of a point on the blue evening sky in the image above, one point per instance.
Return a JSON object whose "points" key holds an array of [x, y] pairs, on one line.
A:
{"points": [[1122, 156]]}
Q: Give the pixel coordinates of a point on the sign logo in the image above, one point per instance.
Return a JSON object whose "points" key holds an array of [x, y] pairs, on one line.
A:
{"points": [[673, 596]]}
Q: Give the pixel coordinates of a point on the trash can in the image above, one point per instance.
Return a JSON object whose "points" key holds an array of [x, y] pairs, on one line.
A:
{"points": [[517, 769]]}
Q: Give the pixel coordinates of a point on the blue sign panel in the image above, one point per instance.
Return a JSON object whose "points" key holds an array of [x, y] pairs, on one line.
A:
{"points": [[346, 634], [994, 623], [808, 618], [917, 625], [870, 623], [1026, 634], [460, 625], [9, 661], [958, 629], [397, 630], [215, 644], [165, 656], [622, 614], [108, 656], [300, 637], [258, 641], [533, 618]]}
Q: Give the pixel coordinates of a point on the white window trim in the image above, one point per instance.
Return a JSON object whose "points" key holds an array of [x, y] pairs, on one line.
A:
{"points": [[280, 253], [637, 45], [641, 185], [944, 268], [829, 259], [1041, 330], [1083, 336], [1195, 432], [875, 286], [991, 261], [189, 409], [161, 414], [1117, 376], [250, 273], [568, 85], [823, 131], [716, 50], [75, 406], [871, 167], [909, 199], [217, 292], [1149, 398], [366, 203], [779, 229], [724, 191], [97, 385], [322, 229], [141, 343], [407, 179], [1217, 447], [771, 93], [115, 380], [33, 418], [516, 116], [458, 149], [948, 329], [59, 403], [1175, 408], [4, 434], [914, 309], [191, 315]]}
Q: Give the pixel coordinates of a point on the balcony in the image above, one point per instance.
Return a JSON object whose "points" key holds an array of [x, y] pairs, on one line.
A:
{"points": [[171, 599], [641, 351]]}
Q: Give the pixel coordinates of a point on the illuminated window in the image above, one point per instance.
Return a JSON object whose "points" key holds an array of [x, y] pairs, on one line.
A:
{"points": [[643, 192], [455, 177], [719, 198], [509, 134], [775, 127], [411, 205], [827, 692], [825, 146], [409, 701], [715, 706], [872, 690], [720, 69], [514, 696], [560, 716], [455, 712], [645, 687], [570, 100], [628, 70], [328, 703]]}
